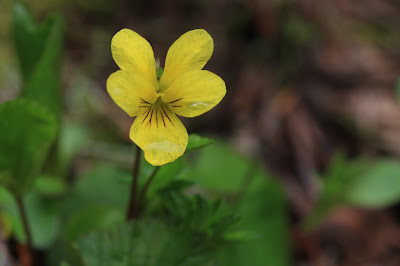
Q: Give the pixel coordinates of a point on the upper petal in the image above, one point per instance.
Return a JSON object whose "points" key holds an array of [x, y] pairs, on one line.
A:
{"points": [[194, 93], [160, 134], [190, 52], [132, 52], [130, 91]]}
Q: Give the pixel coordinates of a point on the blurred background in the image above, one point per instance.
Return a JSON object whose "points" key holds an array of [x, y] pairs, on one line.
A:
{"points": [[306, 80]]}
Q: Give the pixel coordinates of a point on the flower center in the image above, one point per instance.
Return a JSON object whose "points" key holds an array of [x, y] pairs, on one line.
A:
{"points": [[157, 115]]}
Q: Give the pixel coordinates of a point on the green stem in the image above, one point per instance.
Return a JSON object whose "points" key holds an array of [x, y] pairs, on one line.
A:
{"points": [[133, 208], [146, 186], [28, 235]]}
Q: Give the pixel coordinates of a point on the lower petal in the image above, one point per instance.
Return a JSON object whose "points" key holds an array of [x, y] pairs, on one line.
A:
{"points": [[160, 134]]}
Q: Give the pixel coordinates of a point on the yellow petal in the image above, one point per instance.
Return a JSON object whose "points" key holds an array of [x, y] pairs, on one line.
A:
{"points": [[131, 92], [190, 52], [194, 93], [134, 53], [160, 134]]}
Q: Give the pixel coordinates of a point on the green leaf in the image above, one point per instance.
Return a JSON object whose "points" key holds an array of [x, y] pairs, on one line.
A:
{"points": [[221, 168], [39, 50], [264, 218], [28, 37], [92, 218], [9, 209], [26, 132], [104, 185], [336, 183], [165, 175], [97, 200], [196, 142], [50, 186], [378, 188], [43, 217], [72, 138], [176, 185], [145, 242], [361, 182], [209, 221]]}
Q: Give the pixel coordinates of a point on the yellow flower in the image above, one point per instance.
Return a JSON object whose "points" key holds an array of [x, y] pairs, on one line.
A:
{"points": [[183, 89]]}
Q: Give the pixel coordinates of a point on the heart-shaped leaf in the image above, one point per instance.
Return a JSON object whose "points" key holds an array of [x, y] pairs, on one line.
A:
{"points": [[378, 188], [26, 132], [39, 49], [196, 142]]}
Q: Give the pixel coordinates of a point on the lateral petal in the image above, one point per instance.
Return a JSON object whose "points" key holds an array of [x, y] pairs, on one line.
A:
{"points": [[191, 51], [160, 134], [194, 93], [134, 53], [130, 91]]}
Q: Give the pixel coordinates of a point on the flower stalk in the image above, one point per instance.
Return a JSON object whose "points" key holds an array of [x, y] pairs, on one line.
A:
{"points": [[136, 200], [29, 261], [146, 186], [133, 208]]}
